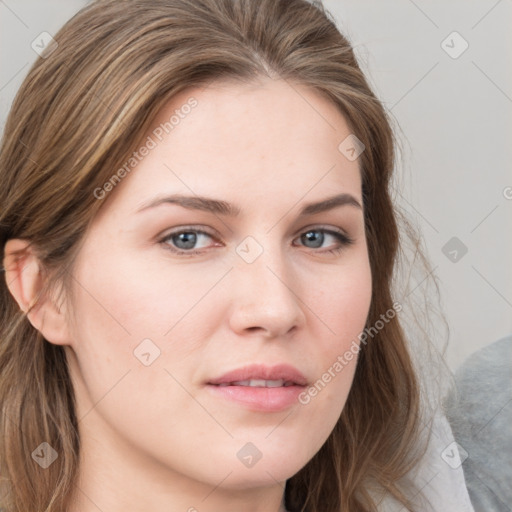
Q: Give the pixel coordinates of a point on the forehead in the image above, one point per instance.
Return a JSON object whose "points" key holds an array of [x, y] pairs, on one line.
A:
{"points": [[269, 140], [245, 115]]}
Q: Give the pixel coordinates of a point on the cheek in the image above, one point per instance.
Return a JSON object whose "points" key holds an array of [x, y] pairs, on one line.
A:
{"points": [[143, 299], [132, 332], [341, 301], [126, 309], [341, 304]]}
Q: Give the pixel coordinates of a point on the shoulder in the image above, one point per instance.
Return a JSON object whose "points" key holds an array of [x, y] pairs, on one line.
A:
{"points": [[479, 408]]}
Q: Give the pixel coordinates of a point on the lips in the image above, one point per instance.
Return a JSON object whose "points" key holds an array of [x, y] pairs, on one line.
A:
{"points": [[258, 375], [259, 388]]}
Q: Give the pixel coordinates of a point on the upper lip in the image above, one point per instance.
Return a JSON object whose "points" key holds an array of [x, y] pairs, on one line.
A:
{"points": [[285, 372]]}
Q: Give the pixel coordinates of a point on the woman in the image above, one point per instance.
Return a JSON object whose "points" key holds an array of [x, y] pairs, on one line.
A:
{"points": [[199, 249]]}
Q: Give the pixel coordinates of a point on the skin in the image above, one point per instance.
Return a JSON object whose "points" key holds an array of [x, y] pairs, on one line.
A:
{"points": [[153, 437]]}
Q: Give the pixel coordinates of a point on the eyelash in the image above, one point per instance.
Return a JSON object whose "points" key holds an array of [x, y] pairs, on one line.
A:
{"points": [[342, 238]]}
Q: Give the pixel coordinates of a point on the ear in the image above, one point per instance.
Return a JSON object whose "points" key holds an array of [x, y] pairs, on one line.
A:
{"points": [[23, 273]]}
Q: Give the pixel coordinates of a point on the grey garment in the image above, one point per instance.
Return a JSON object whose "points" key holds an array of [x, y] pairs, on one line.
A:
{"points": [[437, 480], [479, 410]]}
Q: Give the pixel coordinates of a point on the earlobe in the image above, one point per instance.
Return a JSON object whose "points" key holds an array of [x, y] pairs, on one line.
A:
{"points": [[25, 282]]}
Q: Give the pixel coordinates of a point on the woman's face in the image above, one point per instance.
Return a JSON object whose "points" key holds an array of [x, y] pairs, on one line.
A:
{"points": [[158, 315]]}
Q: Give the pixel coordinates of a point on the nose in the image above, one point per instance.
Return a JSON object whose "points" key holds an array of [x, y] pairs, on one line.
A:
{"points": [[266, 297]]}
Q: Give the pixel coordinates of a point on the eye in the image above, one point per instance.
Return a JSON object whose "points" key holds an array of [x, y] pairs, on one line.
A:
{"points": [[316, 237], [184, 241]]}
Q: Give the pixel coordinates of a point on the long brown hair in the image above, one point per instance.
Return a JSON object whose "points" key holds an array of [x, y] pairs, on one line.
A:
{"points": [[80, 112]]}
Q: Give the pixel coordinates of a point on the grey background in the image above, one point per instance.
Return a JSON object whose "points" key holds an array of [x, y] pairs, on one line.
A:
{"points": [[454, 116]]}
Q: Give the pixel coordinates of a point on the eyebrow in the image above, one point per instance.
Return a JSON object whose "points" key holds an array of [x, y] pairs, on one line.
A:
{"points": [[219, 207]]}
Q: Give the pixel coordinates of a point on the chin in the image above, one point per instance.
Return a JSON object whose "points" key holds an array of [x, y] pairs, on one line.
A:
{"points": [[259, 476]]}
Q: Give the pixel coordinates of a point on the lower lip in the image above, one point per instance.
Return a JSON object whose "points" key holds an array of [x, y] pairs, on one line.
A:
{"points": [[259, 398]]}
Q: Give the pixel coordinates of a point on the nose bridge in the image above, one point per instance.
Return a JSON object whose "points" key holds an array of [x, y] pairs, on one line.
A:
{"points": [[266, 294], [263, 261]]}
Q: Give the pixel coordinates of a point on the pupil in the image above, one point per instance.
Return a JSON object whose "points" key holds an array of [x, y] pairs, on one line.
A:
{"points": [[314, 236], [188, 238]]}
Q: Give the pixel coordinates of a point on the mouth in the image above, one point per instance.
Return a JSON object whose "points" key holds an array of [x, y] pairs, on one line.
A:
{"points": [[260, 388]]}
